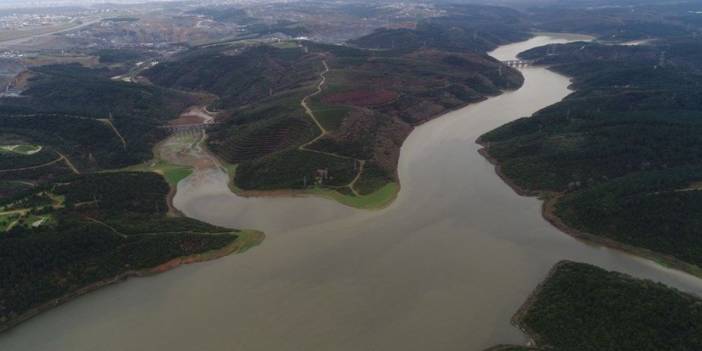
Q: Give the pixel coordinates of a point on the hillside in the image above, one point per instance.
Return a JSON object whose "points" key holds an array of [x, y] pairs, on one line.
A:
{"points": [[582, 307], [628, 169], [82, 232], [368, 103], [96, 124], [636, 20], [473, 28], [67, 227]]}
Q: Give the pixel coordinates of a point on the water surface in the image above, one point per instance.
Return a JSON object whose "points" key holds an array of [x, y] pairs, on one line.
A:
{"points": [[443, 268]]}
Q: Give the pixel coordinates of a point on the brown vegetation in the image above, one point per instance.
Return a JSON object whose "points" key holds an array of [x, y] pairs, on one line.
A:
{"points": [[362, 98]]}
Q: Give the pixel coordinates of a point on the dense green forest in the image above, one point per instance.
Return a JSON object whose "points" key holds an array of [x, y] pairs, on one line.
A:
{"points": [[624, 148], [580, 307], [372, 97], [476, 28], [94, 228], [238, 74], [97, 123], [660, 211], [68, 227]]}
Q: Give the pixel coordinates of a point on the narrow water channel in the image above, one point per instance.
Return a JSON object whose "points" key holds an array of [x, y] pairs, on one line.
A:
{"points": [[443, 268]]}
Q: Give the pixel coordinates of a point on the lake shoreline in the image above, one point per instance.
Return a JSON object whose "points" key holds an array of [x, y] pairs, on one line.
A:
{"points": [[239, 244], [331, 193], [549, 200], [326, 193], [518, 318], [372, 268]]}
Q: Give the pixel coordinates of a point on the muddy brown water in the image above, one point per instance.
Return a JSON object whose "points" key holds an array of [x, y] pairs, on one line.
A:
{"points": [[443, 268]]}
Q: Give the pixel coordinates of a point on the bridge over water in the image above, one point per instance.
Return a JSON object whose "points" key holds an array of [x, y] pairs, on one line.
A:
{"points": [[518, 63]]}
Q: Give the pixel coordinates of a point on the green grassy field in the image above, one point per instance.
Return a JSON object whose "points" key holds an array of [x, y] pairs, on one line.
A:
{"points": [[375, 200], [171, 173], [247, 239]]}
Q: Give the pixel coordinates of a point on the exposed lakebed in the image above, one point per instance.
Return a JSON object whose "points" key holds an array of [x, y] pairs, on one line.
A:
{"points": [[444, 267]]}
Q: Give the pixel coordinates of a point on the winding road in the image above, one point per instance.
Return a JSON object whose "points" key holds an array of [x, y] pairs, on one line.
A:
{"points": [[323, 131]]}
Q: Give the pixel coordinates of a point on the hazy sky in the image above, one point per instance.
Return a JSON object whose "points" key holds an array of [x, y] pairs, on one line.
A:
{"points": [[44, 3]]}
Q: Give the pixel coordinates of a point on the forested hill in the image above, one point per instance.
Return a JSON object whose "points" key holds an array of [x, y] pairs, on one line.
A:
{"points": [[96, 122], [625, 148], [582, 307], [93, 94], [67, 226], [367, 105], [95, 230], [465, 28], [239, 75]]}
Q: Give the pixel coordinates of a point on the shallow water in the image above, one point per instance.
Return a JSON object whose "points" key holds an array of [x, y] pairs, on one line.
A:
{"points": [[443, 268]]}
